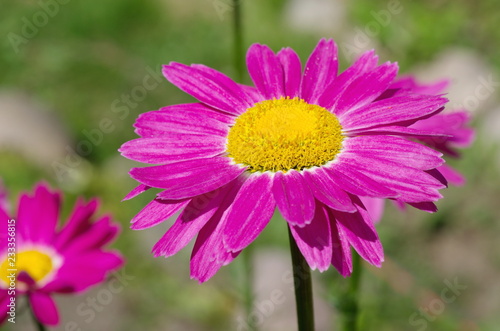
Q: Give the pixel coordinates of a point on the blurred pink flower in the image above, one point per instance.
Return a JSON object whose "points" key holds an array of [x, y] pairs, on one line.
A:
{"points": [[49, 258]]}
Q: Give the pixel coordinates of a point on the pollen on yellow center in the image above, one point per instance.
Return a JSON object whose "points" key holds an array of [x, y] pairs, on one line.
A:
{"points": [[284, 134], [37, 264]]}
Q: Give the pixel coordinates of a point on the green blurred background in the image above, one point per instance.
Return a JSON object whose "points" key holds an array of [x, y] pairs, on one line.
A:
{"points": [[68, 67]]}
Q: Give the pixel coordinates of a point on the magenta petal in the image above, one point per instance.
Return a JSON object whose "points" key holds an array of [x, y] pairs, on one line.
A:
{"points": [[421, 187], [320, 71], [293, 197], [209, 254], [44, 308], [365, 89], [156, 212], [429, 207], [266, 71], [99, 234], [4, 301], [375, 208], [341, 249], [196, 214], [329, 98], [189, 178], [359, 230], [395, 149], [393, 111], [171, 148], [253, 93], [355, 182], [190, 118], [326, 191], [399, 131], [78, 222], [209, 86], [136, 191], [97, 264], [292, 71], [314, 240], [250, 212], [38, 215], [452, 175]]}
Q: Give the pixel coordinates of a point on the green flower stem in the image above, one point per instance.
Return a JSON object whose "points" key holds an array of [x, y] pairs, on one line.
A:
{"points": [[303, 288], [349, 304], [239, 60]]}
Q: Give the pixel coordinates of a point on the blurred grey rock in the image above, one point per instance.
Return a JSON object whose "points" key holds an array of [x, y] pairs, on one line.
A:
{"points": [[473, 83], [316, 16], [30, 129], [274, 306]]}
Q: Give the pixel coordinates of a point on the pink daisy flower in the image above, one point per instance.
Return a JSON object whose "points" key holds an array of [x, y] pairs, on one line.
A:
{"points": [[51, 259], [452, 128], [309, 142]]}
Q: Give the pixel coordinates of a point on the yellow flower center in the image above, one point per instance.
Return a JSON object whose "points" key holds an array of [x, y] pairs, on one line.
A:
{"points": [[37, 264], [284, 134]]}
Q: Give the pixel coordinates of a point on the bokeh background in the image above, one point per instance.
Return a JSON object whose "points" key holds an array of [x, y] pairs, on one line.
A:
{"points": [[74, 75]]}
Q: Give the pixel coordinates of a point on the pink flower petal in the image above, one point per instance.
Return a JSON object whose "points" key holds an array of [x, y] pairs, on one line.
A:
{"points": [[314, 240], [365, 89], [78, 222], [209, 86], [44, 308], [395, 149], [136, 191], [266, 71], [194, 217], [452, 175], [421, 187], [359, 230], [156, 212], [329, 99], [326, 191], [189, 178], [375, 208], [250, 212], [190, 118], [291, 70], [320, 70], [355, 182], [172, 148], [209, 252], [293, 197], [36, 226], [99, 234], [394, 111], [341, 249]]}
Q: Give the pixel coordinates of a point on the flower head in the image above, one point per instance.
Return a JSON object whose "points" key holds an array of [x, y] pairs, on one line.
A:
{"points": [[50, 259], [309, 142]]}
